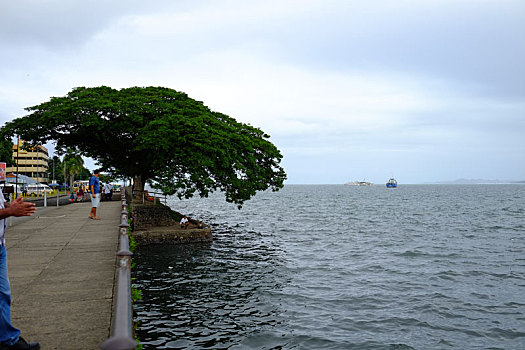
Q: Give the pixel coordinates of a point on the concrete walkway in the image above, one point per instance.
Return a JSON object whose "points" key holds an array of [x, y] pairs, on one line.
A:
{"points": [[62, 272]]}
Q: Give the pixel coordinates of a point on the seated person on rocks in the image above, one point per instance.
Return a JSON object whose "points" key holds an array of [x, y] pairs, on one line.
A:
{"points": [[200, 225], [184, 223]]}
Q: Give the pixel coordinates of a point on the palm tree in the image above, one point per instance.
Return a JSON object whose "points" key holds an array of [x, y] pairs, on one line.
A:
{"points": [[73, 165]]}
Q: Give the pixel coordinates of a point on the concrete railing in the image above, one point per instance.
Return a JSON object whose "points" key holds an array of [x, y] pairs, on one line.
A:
{"points": [[122, 325]]}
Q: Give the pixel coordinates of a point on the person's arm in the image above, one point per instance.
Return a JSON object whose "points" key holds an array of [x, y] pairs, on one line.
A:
{"points": [[93, 191], [17, 208]]}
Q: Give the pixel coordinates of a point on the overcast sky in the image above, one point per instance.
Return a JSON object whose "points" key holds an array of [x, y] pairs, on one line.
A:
{"points": [[349, 90]]}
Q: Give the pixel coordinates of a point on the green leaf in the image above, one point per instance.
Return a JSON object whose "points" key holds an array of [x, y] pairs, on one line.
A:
{"points": [[158, 135]]}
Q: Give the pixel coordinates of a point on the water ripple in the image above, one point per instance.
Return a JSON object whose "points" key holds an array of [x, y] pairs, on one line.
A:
{"points": [[340, 267]]}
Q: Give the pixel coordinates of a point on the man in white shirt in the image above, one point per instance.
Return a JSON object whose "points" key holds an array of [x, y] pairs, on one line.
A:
{"points": [[184, 222], [9, 335], [107, 192]]}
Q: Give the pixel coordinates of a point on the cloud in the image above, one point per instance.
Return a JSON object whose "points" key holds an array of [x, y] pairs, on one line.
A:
{"points": [[371, 81], [63, 25]]}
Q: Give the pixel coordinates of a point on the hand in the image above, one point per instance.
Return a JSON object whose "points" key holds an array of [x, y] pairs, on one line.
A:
{"points": [[20, 208]]}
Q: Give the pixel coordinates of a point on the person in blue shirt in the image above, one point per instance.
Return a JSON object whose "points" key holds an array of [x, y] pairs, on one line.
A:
{"points": [[94, 189]]}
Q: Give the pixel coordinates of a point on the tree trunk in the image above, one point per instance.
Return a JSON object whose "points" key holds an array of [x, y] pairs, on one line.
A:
{"points": [[138, 187]]}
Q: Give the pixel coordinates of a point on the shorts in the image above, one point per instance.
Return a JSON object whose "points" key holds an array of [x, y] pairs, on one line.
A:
{"points": [[95, 202]]}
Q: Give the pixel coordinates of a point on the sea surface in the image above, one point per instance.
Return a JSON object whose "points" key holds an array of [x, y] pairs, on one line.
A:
{"points": [[342, 267]]}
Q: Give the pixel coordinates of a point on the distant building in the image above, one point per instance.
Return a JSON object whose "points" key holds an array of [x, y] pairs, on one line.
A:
{"points": [[33, 163]]}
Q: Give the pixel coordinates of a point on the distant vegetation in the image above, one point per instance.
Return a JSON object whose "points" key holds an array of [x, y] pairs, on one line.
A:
{"points": [[479, 181]]}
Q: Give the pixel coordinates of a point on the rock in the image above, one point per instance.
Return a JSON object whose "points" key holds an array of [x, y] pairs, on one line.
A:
{"points": [[158, 224]]}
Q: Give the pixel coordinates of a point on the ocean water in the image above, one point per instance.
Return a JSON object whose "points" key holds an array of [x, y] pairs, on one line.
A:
{"points": [[343, 267]]}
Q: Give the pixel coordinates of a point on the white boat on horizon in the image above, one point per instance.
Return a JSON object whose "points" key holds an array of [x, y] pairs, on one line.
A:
{"points": [[359, 183]]}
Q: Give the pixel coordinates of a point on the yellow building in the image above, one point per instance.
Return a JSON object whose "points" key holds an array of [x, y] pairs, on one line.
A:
{"points": [[31, 162]]}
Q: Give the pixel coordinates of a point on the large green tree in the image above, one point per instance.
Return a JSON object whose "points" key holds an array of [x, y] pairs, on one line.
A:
{"points": [[159, 135], [6, 150]]}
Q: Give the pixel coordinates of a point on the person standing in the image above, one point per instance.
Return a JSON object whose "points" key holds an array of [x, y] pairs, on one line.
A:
{"points": [[94, 189], [107, 192], [9, 335], [102, 196]]}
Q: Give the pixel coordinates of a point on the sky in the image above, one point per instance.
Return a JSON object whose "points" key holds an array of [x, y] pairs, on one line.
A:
{"points": [[422, 91]]}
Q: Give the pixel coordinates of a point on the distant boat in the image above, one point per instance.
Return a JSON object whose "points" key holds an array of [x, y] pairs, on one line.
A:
{"points": [[391, 183], [359, 183]]}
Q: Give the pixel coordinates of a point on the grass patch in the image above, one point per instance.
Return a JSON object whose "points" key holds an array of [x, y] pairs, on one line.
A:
{"points": [[176, 215]]}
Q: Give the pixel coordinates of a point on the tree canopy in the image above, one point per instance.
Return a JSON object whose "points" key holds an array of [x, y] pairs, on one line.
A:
{"points": [[6, 151], [158, 135]]}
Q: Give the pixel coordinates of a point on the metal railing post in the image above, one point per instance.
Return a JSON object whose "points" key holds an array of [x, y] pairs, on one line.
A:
{"points": [[122, 326]]}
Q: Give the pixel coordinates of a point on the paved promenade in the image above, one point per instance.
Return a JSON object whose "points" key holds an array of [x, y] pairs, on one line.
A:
{"points": [[62, 272]]}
